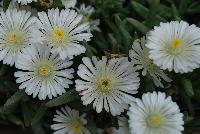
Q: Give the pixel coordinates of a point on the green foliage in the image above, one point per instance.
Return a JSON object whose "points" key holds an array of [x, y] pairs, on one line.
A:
{"points": [[27, 114], [187, 86], [120, 23], [6, 4], [13, 101], [39, 114], [138, 25], [38, 129], [65, 98]]}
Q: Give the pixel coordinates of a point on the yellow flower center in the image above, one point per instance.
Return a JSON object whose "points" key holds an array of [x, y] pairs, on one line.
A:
{"points": [[76, 127], [176, 43], [16, 39], [44, 70], [105, 84], [13, 37], [156, 120], [58, 34]]}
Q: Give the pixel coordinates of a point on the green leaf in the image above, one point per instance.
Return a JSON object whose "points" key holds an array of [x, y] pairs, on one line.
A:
{"points": [[175, 12], [6, 4], [187, 85], [92, 127], [27, 114], [16, 120], [187, 118], [10, 85], [188, 103], [183, 6], [148, 14], [38, 129], [140, 9], [138, 25], [12, 102], [3, 70], [79, 106], [193, 8], [149, 85], [126, 37], [57, 3], [115, 30], [90, 50], [39, 114], [65, 98], [1, 110], [100, 41], [196, 96], [151, 2], [153, 17]]}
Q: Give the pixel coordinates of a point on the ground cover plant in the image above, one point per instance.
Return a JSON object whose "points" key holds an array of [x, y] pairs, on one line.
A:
{"points": [[100, 66]]}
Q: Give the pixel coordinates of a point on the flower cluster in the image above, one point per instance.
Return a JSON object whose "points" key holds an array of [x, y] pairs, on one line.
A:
{"points": [[43, 46]]}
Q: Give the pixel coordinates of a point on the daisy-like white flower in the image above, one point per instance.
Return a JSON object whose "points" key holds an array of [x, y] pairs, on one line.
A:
{"points": [[61, 29], [68, 121], [25, 2], [123, 126], [87, 12], [107, 83], [155, 114], [69, 3], [175, 46], [139, 55], [43, 74], [15, 34]]}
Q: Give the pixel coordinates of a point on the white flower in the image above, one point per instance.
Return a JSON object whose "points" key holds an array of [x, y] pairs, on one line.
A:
{"points": [[69, 122], [25, 2], [69, 3], [123, 126], [44, 74], [107, 83], [87, 13], [94, 25], [155, 114], [63, 32], [15, 34], [175, 46], [139, 55]]}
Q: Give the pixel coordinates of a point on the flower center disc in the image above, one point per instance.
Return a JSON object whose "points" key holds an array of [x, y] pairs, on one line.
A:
{"points": [[105, 84], [13, 37], [76, 127], [58, 34], [154, 121], [44, 70], [16, 38], [176, 43]]}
